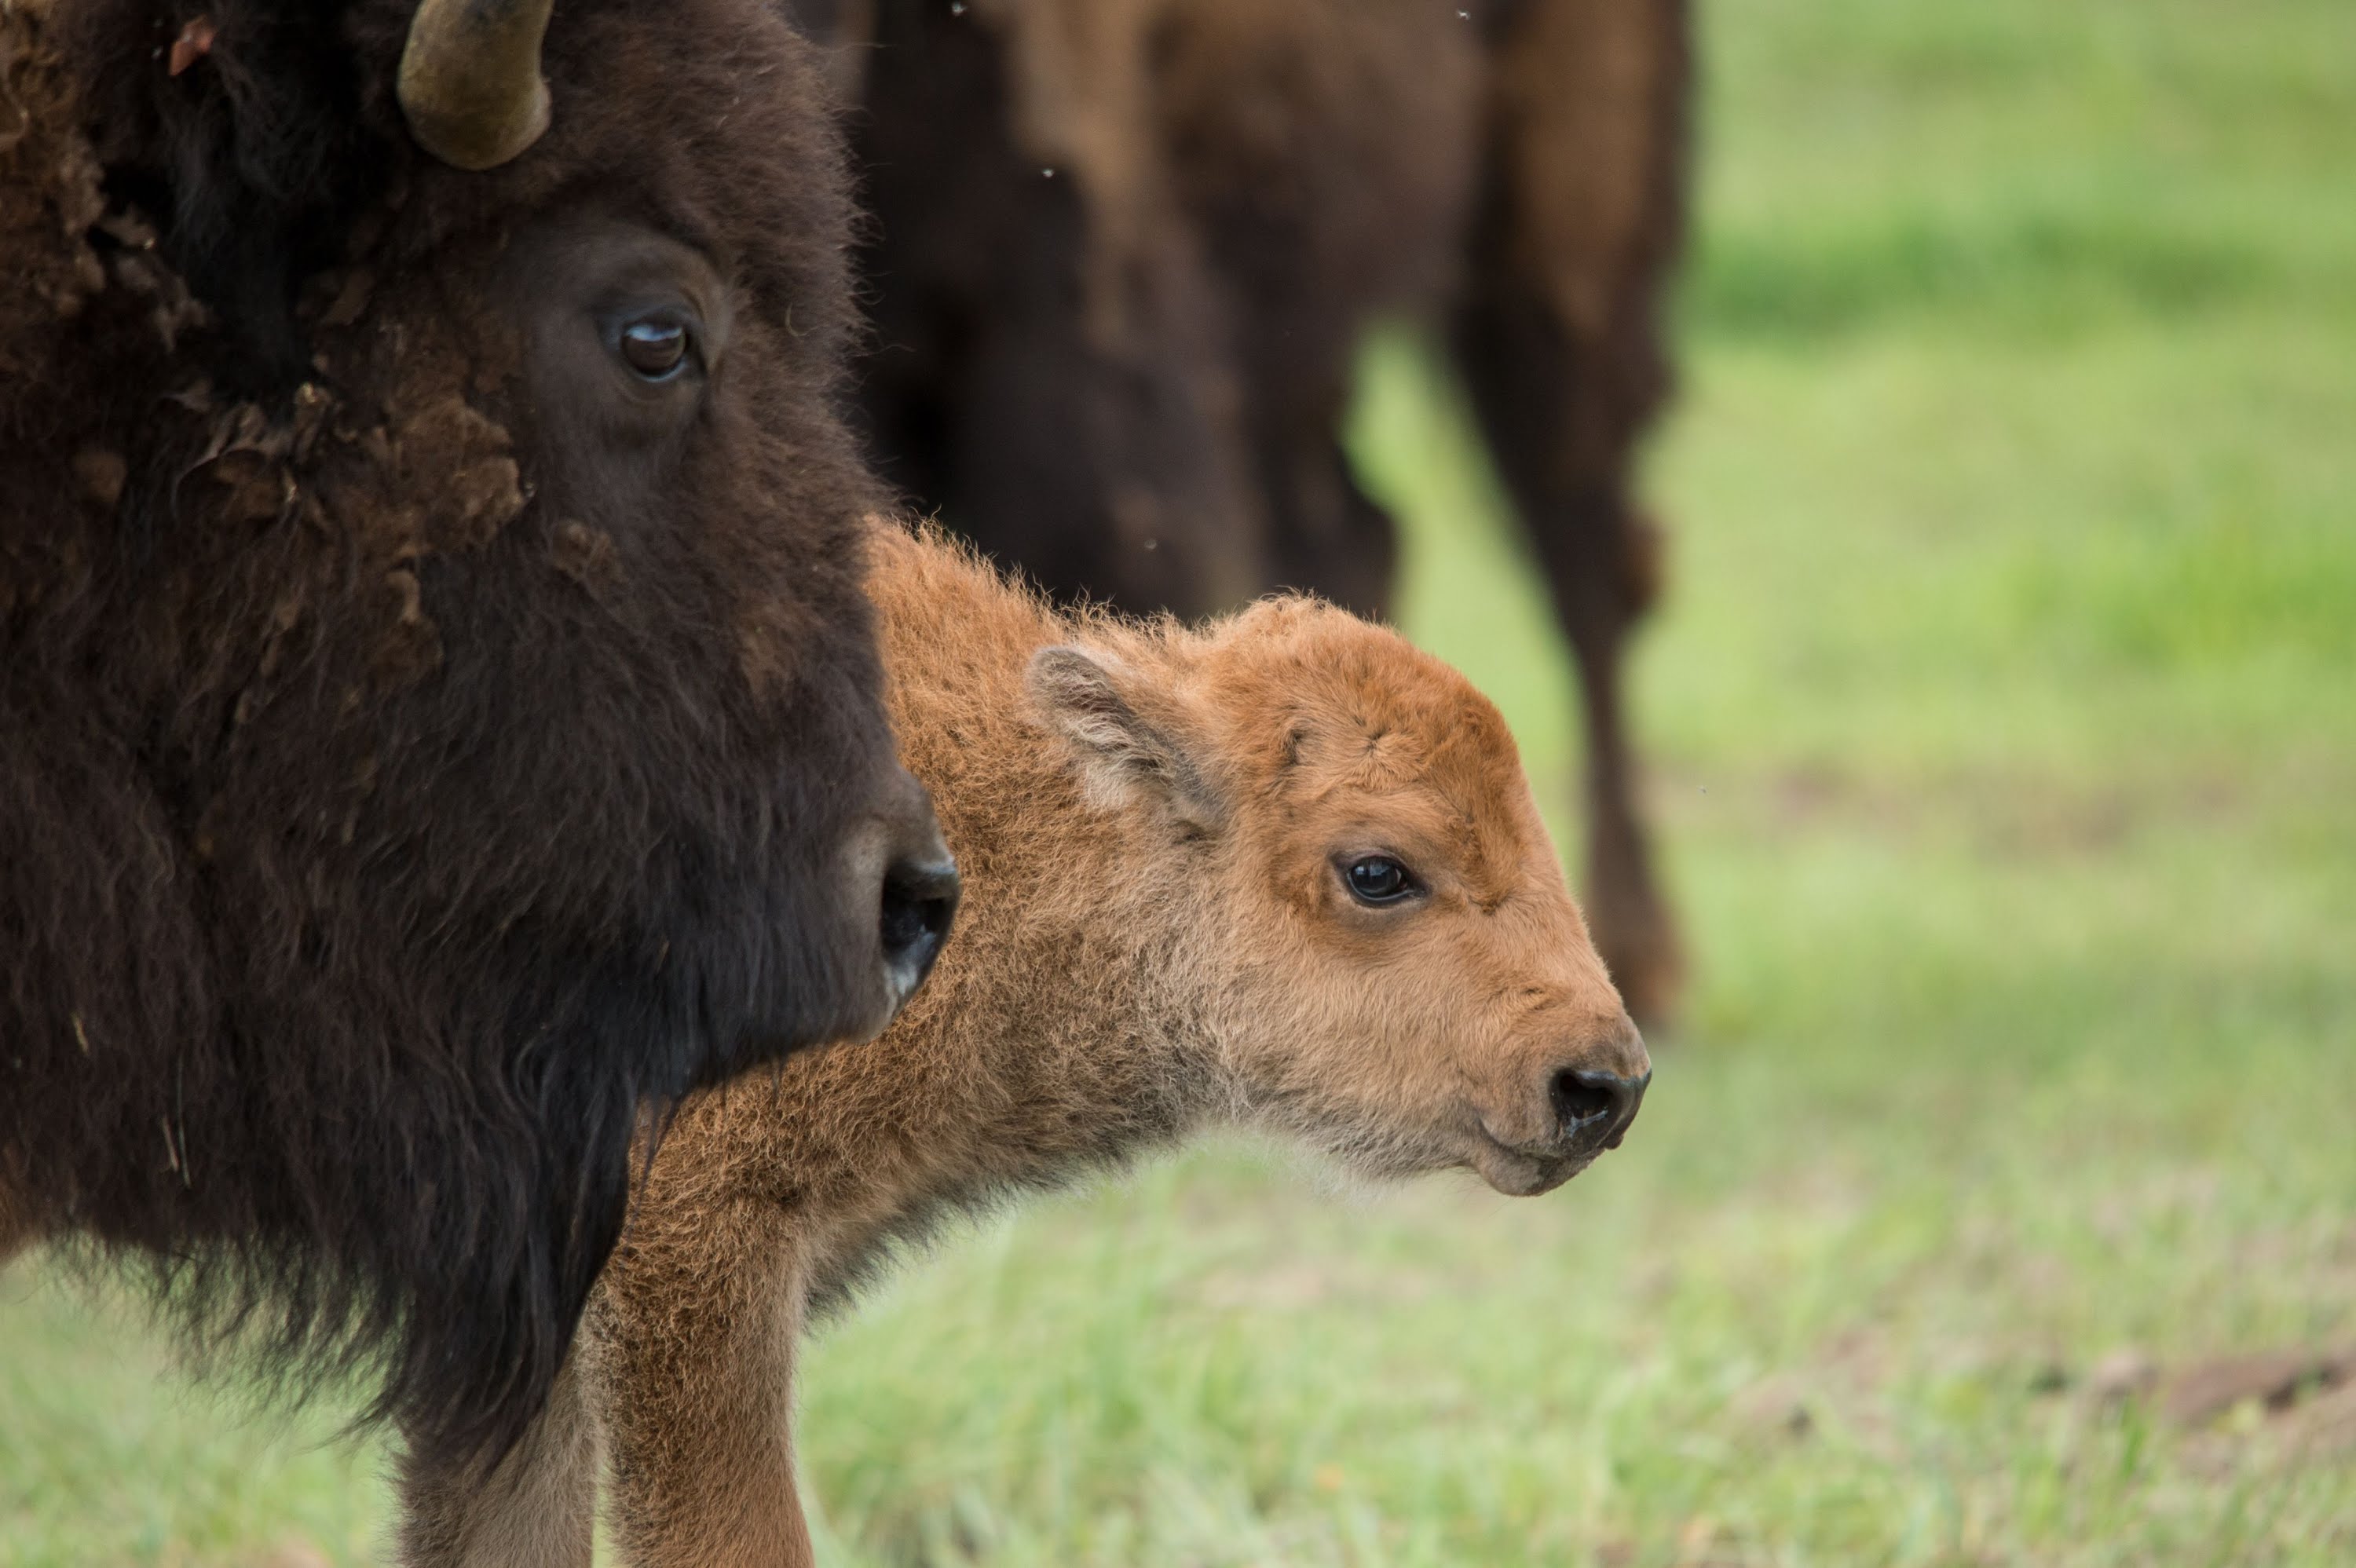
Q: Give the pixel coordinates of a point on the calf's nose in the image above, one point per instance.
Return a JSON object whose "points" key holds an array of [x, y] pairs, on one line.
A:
{"points": [[1594, 1107]]}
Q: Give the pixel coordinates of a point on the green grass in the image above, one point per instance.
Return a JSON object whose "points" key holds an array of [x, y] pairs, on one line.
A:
{"points": [[2002, 734]]}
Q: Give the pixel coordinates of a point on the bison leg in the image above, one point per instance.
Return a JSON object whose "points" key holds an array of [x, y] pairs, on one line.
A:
{"points": [[1326, 536], [1598, 554], [1331, 539], [536, 1509], [1559, 337], [693, 1374], [15, 1218], [1048, 375], [1322, 152]]}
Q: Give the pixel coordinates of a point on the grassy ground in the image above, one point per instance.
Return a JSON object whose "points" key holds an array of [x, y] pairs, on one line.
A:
{"points": [[2003, 729]]}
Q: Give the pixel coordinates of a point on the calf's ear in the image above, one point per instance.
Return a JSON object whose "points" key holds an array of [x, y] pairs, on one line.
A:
{"points": [[1129, 737]]}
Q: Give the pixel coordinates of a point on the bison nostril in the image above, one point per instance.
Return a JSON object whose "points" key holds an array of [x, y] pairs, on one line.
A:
{"points": [[920, 901], [1586, 1100], [1582, 1096]]}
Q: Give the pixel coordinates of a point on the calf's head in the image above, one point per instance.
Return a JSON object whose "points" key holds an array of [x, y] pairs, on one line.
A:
{"points": [[1374, 927]]}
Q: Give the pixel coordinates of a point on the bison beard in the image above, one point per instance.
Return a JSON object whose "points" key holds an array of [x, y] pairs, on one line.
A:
{"points": [[406, 780]]}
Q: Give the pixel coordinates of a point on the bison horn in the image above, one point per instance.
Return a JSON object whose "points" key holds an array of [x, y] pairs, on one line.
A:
{"points": [[470, 81]]}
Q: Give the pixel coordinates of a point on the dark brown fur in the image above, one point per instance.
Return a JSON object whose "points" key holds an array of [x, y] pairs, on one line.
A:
{"points": [[1125, 250], [420, 748], [1156, 940]]}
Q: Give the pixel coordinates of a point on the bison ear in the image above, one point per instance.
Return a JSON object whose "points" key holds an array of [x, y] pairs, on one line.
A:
{"points": [[1129, 737]]}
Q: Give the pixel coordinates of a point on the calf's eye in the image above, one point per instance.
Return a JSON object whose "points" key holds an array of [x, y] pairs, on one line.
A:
{"points": [[656, 349], [1378, 879]]}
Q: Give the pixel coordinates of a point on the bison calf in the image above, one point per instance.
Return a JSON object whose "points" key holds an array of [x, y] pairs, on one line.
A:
{"points": [[1284, 870]]}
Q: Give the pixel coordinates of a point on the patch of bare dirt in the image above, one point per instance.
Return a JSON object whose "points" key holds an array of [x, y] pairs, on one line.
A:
{"points": [[2278, 1380], [2294, 1404]]}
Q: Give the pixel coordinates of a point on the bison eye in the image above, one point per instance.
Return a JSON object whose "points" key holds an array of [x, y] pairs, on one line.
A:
{"points": [[655, 348], [1378, 880]]}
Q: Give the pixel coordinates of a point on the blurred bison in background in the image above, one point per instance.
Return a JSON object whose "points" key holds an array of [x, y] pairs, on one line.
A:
{"points": [[439, 712], [1125, 250]]}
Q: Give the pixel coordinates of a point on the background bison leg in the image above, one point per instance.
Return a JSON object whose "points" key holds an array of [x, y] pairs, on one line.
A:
{"points": [[1598, 553], [1048, 372], [535, 1510], [1323, 152], [692, 1375], [1330, 538], [1561, 339], [1325, 535], [15, 1230]]}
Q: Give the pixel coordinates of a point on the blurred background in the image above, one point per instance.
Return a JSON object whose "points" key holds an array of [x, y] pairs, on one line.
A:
{"points": [[2000, 738]]}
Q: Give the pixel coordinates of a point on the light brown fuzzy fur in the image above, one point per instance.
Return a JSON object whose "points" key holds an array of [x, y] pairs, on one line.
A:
{"points": [[1154, 939]]}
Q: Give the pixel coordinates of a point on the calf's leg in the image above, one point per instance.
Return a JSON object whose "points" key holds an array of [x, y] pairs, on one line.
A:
{"points": [[693, 1380]]}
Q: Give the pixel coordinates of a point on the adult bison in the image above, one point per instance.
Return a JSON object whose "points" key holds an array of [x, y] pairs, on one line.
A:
{"points": [[1284, 870], [1125, 250], [439, 711]]}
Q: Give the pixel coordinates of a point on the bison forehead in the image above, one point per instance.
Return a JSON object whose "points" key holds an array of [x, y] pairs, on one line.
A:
{"points": [[1356, 723], [707, 116], [1345, 688]]}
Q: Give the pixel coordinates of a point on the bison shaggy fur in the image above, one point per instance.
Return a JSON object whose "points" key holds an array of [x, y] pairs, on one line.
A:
{"points": [[422, 747]]}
